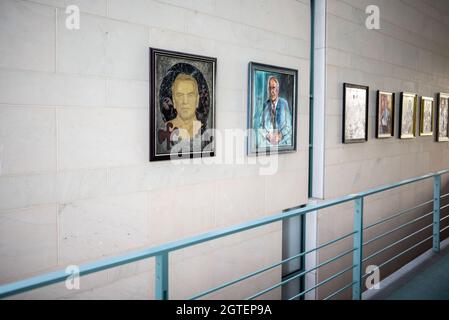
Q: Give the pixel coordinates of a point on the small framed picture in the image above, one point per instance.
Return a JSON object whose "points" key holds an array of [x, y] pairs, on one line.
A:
{"points": [[426, 119], [442, 118], [407, 117], [385, 115], [355, 113], [182, 105], [272, 109]]}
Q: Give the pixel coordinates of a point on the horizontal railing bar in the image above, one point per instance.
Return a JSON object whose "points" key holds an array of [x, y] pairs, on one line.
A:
{"points": [[395, 243], [300, 274], [444, 207], [61, 275], [442, 172], [444, 196], [340, 291], [400, 213], [32, 283], [400, 254], [323, 282], [58, 276], [397, 185], [227, 284], [444, 229], [444, 218], [397, 228]]}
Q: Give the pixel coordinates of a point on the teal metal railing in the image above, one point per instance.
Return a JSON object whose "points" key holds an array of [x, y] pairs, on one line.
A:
{"points": [[161, 253]]}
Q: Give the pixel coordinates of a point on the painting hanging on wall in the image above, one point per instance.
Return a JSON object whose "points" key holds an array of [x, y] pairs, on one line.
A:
{"points": [[426, 119], [272, 109], [355, 113], [385, 115], [182, 105], [407, 117], [442, 118]]}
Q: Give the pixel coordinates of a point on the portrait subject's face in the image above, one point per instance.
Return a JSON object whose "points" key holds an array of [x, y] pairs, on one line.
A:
{"points": [[185, 97], [274, 90]]}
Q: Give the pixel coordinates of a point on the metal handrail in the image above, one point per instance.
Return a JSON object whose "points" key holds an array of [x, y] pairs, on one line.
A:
{"points": [[399, 214], [323, 282], [358, 242], [227, 284], [341, 255], [161, 252], [339, 291], [444, 196], [402, 253], [383, 235], [444, 229], [396, 243]]}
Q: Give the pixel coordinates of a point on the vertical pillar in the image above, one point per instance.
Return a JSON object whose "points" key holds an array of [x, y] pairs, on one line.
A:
{"points": [[436, 212], [358, 249], [161, 275], [317, 100]]}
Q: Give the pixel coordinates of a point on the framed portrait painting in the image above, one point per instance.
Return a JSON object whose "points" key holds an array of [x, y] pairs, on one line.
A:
{"points": [[407, 117], [272, 109], [182, 105], [442, 128], [385, 115], [355, 113], [426, 119]]}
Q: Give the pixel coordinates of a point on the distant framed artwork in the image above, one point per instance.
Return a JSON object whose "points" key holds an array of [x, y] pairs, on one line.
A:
{"points": [[407, 116], [442, 128], [355, 113], [182, 105], [385, 115], [426, 119], [272, 109]]}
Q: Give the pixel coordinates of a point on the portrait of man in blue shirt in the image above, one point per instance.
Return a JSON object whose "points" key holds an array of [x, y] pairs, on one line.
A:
{"points": [[276, 122]]}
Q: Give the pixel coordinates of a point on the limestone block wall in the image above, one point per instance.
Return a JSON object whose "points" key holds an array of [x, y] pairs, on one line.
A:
{"points": [[410, 52], [75, 181]]}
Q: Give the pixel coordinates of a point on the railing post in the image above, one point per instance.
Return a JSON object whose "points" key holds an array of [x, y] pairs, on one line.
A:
{"points": [[436, 212], [161, 276], [358, 252]]}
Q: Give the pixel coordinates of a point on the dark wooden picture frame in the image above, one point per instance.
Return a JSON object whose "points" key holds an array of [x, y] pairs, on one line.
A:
{"points": [[384, 114], [182, 123], [350, 119], [260, 125]]}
